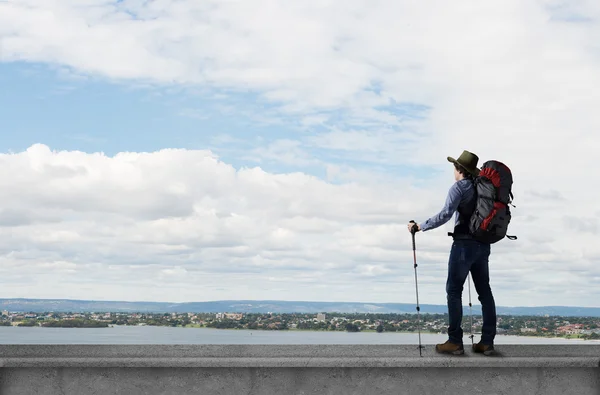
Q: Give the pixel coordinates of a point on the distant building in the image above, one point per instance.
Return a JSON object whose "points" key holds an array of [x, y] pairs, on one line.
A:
{"points": [[571, 329], [321, 317], [231, 316]]}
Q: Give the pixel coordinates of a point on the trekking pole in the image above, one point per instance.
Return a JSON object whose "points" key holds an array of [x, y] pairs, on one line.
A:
{"points": [[413, 230], [470, 305]]}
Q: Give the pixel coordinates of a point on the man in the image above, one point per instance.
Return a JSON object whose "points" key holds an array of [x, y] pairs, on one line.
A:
{"points": [[466, 254]]}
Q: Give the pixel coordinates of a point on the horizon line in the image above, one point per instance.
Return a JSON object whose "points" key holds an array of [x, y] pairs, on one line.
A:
{"points": [[274, 300]]}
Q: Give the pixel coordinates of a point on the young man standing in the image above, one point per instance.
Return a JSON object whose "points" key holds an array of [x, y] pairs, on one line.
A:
{"points": [[466, 255]]}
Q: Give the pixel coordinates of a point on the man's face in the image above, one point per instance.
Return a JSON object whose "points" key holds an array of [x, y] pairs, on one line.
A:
{"points": [[456, 175]]}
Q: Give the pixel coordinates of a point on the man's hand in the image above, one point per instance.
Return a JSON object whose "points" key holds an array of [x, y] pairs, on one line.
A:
{"points": [[410, 227]]}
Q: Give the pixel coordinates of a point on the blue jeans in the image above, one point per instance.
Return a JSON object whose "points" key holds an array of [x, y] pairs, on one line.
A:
{"points": [[465, 256]]}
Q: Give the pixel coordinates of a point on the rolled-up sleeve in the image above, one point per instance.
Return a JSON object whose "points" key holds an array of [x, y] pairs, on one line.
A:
{"points": [[450, 207]]}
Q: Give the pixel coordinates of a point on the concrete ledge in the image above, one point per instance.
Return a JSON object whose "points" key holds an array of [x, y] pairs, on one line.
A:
{"points": [[298, 369], [556, 356]]}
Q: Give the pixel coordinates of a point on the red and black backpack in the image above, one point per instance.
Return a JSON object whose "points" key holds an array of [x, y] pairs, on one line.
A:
{"points": [[490, 219]]}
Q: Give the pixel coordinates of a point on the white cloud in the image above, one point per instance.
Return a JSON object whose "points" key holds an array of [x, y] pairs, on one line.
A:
{"points": [[514, 80], [287, 152], [172, 211], [183, 221]]}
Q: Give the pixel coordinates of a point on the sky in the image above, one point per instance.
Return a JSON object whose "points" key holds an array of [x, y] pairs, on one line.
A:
{"points": [[175, 150]]}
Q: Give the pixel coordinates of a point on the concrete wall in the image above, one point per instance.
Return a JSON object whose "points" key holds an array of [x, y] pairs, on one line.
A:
{"points": [[296, 369]]}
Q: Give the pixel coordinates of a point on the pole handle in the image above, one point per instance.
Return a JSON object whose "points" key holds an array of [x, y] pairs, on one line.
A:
{"points": [[413, 230]]}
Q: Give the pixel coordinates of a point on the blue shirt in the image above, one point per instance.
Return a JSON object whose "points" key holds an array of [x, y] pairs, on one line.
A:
{"points": [[460, 198]]}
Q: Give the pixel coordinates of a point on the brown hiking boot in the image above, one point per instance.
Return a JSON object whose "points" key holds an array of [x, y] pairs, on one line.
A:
{"points": [[450, 348], [486, 349]]}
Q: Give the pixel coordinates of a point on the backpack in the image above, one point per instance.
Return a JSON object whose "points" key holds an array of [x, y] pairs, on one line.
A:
{"points": [[490, 219]]}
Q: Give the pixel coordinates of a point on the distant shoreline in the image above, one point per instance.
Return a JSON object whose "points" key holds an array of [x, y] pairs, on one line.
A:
{"points": [[262, 306]]}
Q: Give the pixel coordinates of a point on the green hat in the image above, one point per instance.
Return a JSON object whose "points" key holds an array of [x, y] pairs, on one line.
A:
{"points": [[468, 160]]}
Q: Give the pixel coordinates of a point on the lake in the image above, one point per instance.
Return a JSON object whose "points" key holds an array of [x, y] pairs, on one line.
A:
{"points": [[170, 335]]}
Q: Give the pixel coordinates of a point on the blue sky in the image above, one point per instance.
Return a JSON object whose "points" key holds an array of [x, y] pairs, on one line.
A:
{"points": [[42, 105], [50, 105]]}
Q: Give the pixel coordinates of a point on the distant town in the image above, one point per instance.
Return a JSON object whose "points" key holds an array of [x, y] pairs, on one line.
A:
{"points": [[542, 326]]}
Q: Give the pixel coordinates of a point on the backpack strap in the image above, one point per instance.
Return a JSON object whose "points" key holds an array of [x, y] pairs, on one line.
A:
{"points": [[512, 197], [507, 236]]}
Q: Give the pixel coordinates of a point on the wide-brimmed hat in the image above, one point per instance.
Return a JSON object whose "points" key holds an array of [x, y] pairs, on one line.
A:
{"points": [[468, 160]]}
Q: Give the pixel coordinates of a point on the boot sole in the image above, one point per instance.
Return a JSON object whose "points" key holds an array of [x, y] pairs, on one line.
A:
{"points": [[457, 352], [486, 353]]}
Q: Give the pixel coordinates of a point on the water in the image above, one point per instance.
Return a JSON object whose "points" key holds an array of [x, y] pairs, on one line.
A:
{"points": [[170, 335]]}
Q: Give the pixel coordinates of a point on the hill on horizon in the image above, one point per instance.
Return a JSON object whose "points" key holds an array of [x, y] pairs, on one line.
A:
{"points": [[273, 306]]}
